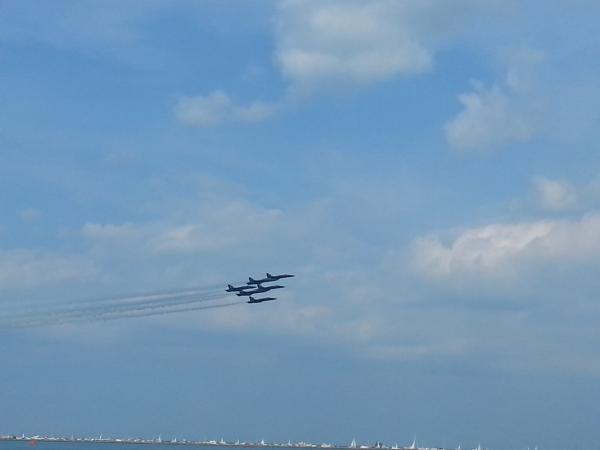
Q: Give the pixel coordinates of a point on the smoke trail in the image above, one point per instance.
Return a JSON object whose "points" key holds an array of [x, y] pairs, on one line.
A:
{"points": [[100, 310], [35, 305], [125, 303], [113, 307], [116, 316]]}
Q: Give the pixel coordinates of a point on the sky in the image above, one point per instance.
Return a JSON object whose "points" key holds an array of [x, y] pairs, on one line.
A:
{"points": [[429, 170]]}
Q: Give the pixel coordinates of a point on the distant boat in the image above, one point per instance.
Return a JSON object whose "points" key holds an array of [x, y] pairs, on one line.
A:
{"points": [[413, 446], [352, 444]]}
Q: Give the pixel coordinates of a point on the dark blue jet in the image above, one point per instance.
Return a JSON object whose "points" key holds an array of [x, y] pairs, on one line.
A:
{"points": [[260, 300], [259, 290], [268, 279], [231, 288]]}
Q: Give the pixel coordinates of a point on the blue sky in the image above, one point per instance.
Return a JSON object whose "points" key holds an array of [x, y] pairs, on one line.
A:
{"points": [[428, 169]]}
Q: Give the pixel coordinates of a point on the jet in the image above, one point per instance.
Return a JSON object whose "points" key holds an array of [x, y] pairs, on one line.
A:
{"points": [[259, 290], [260, 300], [268, 279], [231, 288]]}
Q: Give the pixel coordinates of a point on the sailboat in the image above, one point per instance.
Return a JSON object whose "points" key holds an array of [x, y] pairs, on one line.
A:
{"points": [[352, 444]]}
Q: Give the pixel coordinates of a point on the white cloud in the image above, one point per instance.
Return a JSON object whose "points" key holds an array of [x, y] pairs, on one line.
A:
{"points": [[349, 41], [498, 250], [28, 268], [217, 108], [555, 195], [560, 195], [501, 114], [490, 117], [213, 225], [218, 227], [320, 44], [334, 301]]}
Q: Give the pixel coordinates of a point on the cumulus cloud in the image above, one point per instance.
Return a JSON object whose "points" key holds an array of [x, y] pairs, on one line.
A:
{"points": [[217, 108], [555, 195], [500, 114], [507, 288], [490, 117], [333, 301], [349, 41], [560, 195], [332, 42], [500, 249]]}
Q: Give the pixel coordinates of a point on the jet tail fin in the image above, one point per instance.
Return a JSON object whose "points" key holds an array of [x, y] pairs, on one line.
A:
{"points": [[269, 275]]}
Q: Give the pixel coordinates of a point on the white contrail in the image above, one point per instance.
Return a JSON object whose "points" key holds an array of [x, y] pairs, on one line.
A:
{"points": [[136, 304], [39, 305], [99, 310], [125, 303], [115, 315]]}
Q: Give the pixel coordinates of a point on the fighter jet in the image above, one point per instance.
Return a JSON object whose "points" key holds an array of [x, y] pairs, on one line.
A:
{"points": [[260, 300], [268, 279], [231, 288], [259, 290]]}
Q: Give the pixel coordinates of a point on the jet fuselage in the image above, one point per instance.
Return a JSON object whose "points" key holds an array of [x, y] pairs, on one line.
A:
{"points": [[269, 278], [259, 290], [231, 288], [260, 300]]}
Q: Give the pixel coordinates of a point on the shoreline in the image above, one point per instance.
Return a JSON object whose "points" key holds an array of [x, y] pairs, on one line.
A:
{"points": [[211, 443]]}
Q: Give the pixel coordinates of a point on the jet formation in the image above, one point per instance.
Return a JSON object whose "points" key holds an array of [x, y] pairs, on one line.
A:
{"points": [[254, 286]]}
